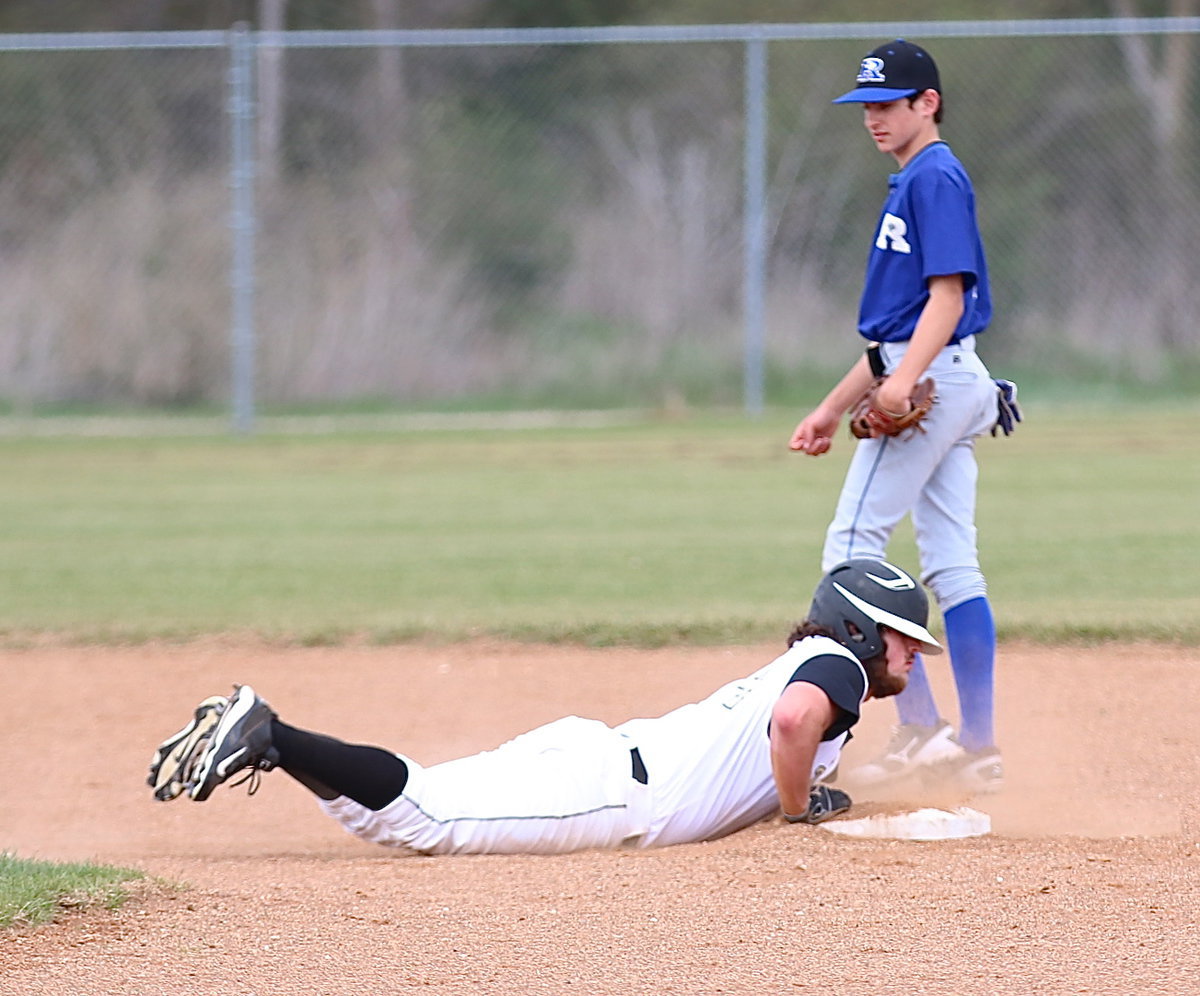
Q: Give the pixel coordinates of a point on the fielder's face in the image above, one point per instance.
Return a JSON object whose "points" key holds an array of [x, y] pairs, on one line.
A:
{"points": [[900, 128]]}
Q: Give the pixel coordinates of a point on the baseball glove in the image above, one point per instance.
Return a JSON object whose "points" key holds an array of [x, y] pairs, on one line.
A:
{"points": [[868, 420]]}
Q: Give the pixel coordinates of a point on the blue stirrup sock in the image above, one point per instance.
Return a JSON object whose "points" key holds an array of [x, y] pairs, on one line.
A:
{"points": [[971, 642], [915, 704]]}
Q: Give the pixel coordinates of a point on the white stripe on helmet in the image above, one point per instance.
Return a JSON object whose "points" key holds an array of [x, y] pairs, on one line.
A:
{"points": [[899, 623]]}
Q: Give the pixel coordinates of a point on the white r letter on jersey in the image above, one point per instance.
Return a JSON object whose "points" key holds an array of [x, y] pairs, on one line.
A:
{"points": [[891, 234]]}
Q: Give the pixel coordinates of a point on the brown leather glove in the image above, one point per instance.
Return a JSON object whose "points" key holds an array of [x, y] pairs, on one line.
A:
{"points": [[868, 420]]}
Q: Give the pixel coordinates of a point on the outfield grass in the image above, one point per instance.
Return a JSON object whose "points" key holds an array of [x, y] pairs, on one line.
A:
{"points": [[33, 892], [701, 529]]}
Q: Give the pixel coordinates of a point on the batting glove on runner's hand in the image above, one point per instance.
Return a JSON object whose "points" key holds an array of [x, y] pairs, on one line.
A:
{"points": [[824, 803]]}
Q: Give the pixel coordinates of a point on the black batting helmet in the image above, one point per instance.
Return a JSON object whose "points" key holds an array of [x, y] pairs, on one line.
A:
{"points": [[858, 596]]}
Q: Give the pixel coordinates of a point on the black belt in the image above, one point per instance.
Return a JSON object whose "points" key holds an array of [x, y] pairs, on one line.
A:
{"points": [[875, 359], [639, 768]]}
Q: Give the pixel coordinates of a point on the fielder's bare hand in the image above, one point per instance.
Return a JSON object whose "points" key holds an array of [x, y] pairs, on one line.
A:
{"points": [[814, 435]]}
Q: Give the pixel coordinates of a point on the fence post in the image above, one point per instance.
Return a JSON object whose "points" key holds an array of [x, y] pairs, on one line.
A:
{"points": [[242, 225], [754, 222]]}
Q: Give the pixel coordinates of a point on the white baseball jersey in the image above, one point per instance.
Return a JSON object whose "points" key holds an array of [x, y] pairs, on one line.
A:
{"points": [[699, 772]]}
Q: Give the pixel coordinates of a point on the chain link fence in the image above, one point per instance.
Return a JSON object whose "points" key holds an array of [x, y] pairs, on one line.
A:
{"points": [[566, 218]]}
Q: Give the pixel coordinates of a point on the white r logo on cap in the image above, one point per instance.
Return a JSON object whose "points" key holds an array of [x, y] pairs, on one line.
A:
{"points": [[871, 71]]}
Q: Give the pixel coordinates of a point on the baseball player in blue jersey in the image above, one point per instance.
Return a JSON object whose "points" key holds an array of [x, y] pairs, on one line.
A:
{"points": [[924, 302], [754, 747]]}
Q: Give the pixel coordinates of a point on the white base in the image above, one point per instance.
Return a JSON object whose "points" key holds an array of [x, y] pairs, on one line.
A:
{"points": [[923, 824]]}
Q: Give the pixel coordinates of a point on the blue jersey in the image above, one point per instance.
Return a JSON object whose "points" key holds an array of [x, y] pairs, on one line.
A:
{"points": [[927, 229]]}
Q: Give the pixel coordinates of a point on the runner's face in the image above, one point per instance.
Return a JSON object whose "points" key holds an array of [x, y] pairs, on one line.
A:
{"points": [[899, 650]]}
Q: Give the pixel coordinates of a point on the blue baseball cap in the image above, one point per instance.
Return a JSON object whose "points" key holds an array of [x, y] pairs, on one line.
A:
{"points": [[894, 70]]}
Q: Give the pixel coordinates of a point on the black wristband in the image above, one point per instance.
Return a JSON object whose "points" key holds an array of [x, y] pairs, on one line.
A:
{"points": [[802, 818]]}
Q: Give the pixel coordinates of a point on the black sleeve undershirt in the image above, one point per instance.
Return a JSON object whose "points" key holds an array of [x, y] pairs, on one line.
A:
{"points": [[842, 680]]}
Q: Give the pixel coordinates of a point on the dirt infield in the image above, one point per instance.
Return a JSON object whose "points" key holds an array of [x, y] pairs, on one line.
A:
{"points": [[1089, 883]]}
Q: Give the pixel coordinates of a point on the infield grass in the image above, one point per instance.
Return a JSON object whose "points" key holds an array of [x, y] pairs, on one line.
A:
{"points": [[33, 892], [701, 529]]}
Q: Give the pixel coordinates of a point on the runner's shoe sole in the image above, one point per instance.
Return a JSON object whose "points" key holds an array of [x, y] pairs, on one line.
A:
{"points": [[176, 756]]}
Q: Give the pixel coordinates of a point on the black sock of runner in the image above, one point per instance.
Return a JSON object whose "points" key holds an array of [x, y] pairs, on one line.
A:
{"points": [[329, 767]]}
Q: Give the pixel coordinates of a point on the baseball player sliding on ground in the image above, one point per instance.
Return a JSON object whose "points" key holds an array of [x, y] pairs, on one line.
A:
{"points": [[925, 300], [755, 746]]}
